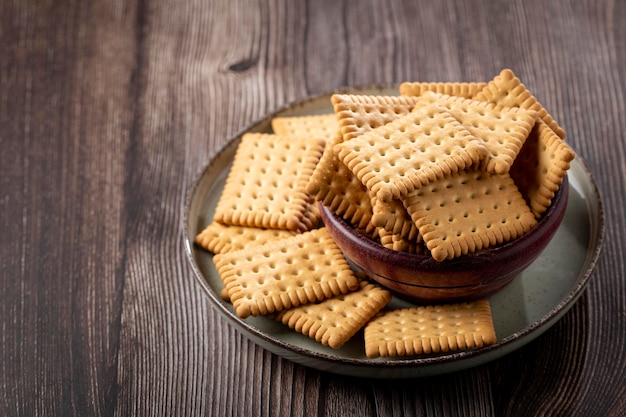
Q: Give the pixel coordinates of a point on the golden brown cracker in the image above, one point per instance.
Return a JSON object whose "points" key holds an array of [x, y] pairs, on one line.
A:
{"points": [[358, 114], [413, 244], [540, 167], [318, 126], [221, 238], [393, 217], [327, 169], [502, 129], [430, 329], [467, 212], [266, 185], [334, 321], [269, 278], [410, 152], [459, 89], [507, 90], [334, 185], [332, 182]]}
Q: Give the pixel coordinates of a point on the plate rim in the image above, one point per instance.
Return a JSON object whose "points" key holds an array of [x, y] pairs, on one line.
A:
{"points": [[382, 367]]}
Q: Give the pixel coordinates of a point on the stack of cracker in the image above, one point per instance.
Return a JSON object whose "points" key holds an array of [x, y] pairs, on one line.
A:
{"points": [[443, 169], [448, 169]]}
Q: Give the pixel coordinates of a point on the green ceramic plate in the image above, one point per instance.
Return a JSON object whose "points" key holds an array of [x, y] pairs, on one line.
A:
{"points": [[522, 311]]}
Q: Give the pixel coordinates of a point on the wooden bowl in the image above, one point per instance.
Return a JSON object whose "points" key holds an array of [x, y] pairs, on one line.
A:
{"points": [[420, 278]]}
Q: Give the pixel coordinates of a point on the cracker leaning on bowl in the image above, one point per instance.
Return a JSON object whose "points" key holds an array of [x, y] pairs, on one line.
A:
{"points": [[393, 167]]}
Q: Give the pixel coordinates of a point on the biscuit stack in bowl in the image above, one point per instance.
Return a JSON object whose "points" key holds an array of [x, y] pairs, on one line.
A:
{"points": [[438, 158], [443, 170]]}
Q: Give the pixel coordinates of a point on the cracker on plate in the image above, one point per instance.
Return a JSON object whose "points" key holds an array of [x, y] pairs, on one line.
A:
{"points": [[430, 329], [266, 185], [286, 273], [334, 321]]}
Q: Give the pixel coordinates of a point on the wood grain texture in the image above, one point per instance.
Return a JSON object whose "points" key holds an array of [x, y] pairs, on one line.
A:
{"points": [[109, 110]]}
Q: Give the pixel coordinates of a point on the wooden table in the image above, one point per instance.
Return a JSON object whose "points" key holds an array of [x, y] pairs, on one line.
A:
{"points": [[110, 109]]}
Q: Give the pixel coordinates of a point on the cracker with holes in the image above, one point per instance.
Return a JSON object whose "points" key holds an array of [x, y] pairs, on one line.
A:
{"points": [[221, 238], [430, 329], [334, 321], [507, 90], [318, 125], [266, 183], [541, 166], [503, 130], [322, 126], [458, 89], [467, 212], [286, 273], [392, 217], [411, 151], [333, 184], [359, 114], [412, 243]]}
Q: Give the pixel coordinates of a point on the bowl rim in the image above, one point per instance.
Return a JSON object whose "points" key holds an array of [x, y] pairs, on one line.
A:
{"points": [[553, 214]]}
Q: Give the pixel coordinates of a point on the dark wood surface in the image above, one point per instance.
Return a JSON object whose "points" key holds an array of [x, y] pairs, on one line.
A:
{"points": [[109, 109]]}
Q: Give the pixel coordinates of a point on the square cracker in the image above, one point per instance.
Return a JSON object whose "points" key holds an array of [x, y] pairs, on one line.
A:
{"points": [[298, 270], [410, 152], [466, 90], [430, 329], [393, 218], [413, 244], [334, 185], [358, 114], [221, 238], [540, 167], [507, 90], [334, 321], [467, 212], [266, 183], [502, 129], [332, 182], [318, 125]]}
